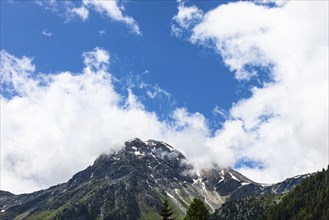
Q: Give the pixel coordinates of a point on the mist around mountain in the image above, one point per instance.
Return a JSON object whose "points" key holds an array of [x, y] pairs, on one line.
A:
{"points": [[134, 182]]}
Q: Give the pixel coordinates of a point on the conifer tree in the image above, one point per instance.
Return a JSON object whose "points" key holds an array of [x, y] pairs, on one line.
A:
{"points": [[197, 211], [166, 212]]}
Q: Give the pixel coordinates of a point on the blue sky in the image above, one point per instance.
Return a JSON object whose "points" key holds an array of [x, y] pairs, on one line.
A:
{"points": [[195, 76], [237, 83]]}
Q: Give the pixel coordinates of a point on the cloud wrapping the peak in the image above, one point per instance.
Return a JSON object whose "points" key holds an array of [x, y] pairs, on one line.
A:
{"points": [[54, 125], [285, 121]]}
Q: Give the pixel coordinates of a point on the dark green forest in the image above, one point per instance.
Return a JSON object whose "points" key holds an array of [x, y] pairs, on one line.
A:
{"points": [[307, 201]]}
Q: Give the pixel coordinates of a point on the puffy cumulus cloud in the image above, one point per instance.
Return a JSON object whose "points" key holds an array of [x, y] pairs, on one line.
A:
{"points": [[54, 125], [81, 9], [284, 124]]}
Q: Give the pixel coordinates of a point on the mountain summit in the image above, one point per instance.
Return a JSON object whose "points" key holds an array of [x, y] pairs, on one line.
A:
{"points": [[132, 184]]}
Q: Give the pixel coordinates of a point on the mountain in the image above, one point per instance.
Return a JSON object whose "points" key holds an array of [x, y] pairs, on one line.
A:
{"points": [[308, 200], [247, 208], [132, 184]]}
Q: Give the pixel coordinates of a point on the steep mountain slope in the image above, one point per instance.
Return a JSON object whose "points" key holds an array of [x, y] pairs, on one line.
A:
{"points": [[131, 184], [247, 208], [308, 200]]}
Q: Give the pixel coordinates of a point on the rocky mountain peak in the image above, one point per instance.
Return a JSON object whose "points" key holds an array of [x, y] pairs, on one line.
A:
{"points": [[132, 183], [158, 149]]}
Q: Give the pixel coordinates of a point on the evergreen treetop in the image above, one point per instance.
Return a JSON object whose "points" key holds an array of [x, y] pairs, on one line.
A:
{"points": [[166, 212], [197, 210]]}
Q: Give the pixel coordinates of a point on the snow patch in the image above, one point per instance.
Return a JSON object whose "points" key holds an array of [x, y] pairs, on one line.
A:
{"points": [[156, 159], [168, 146], [2, 210], [177, 192], [138, 153], [221, 180], [151, 143], [148, 183], [196, 181], [207, 195], [233, 177], [116, 158], [213, 210], [244, 183], [175, 200], [304, 176], [91, 176], [265, 184]]}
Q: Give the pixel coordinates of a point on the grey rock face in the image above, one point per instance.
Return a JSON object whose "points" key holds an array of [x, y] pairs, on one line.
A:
{"points": [[131, 184]]}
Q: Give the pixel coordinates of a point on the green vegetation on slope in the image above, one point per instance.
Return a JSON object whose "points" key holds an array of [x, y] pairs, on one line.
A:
{"points": [[197, 210], [309, 200], [246, 208]]}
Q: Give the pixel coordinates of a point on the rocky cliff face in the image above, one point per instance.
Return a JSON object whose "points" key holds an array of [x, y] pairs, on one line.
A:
{"points": [[131, 184]]}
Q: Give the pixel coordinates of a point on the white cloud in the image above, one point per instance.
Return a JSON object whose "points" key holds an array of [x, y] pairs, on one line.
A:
{"points": [[186, 16], [98, 59], [156, 91], [82, 12], [284, 124], [102, 32], [110, 8], [153, 91], [274, 2], [220, 112], [47, 33], [56, 124], [114, 11]]}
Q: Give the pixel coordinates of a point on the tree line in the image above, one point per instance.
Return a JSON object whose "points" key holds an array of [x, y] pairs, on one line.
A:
{"points": [[307, 201], [197, 210]]}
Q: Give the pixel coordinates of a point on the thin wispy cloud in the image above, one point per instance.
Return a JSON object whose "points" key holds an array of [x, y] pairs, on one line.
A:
{"points": [[47, 33], [113, 10], [82, 12], [81, 9], [102, 32]]}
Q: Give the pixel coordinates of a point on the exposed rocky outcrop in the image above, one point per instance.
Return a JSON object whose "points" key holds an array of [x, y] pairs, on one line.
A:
{"points": [[131, 184]]}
